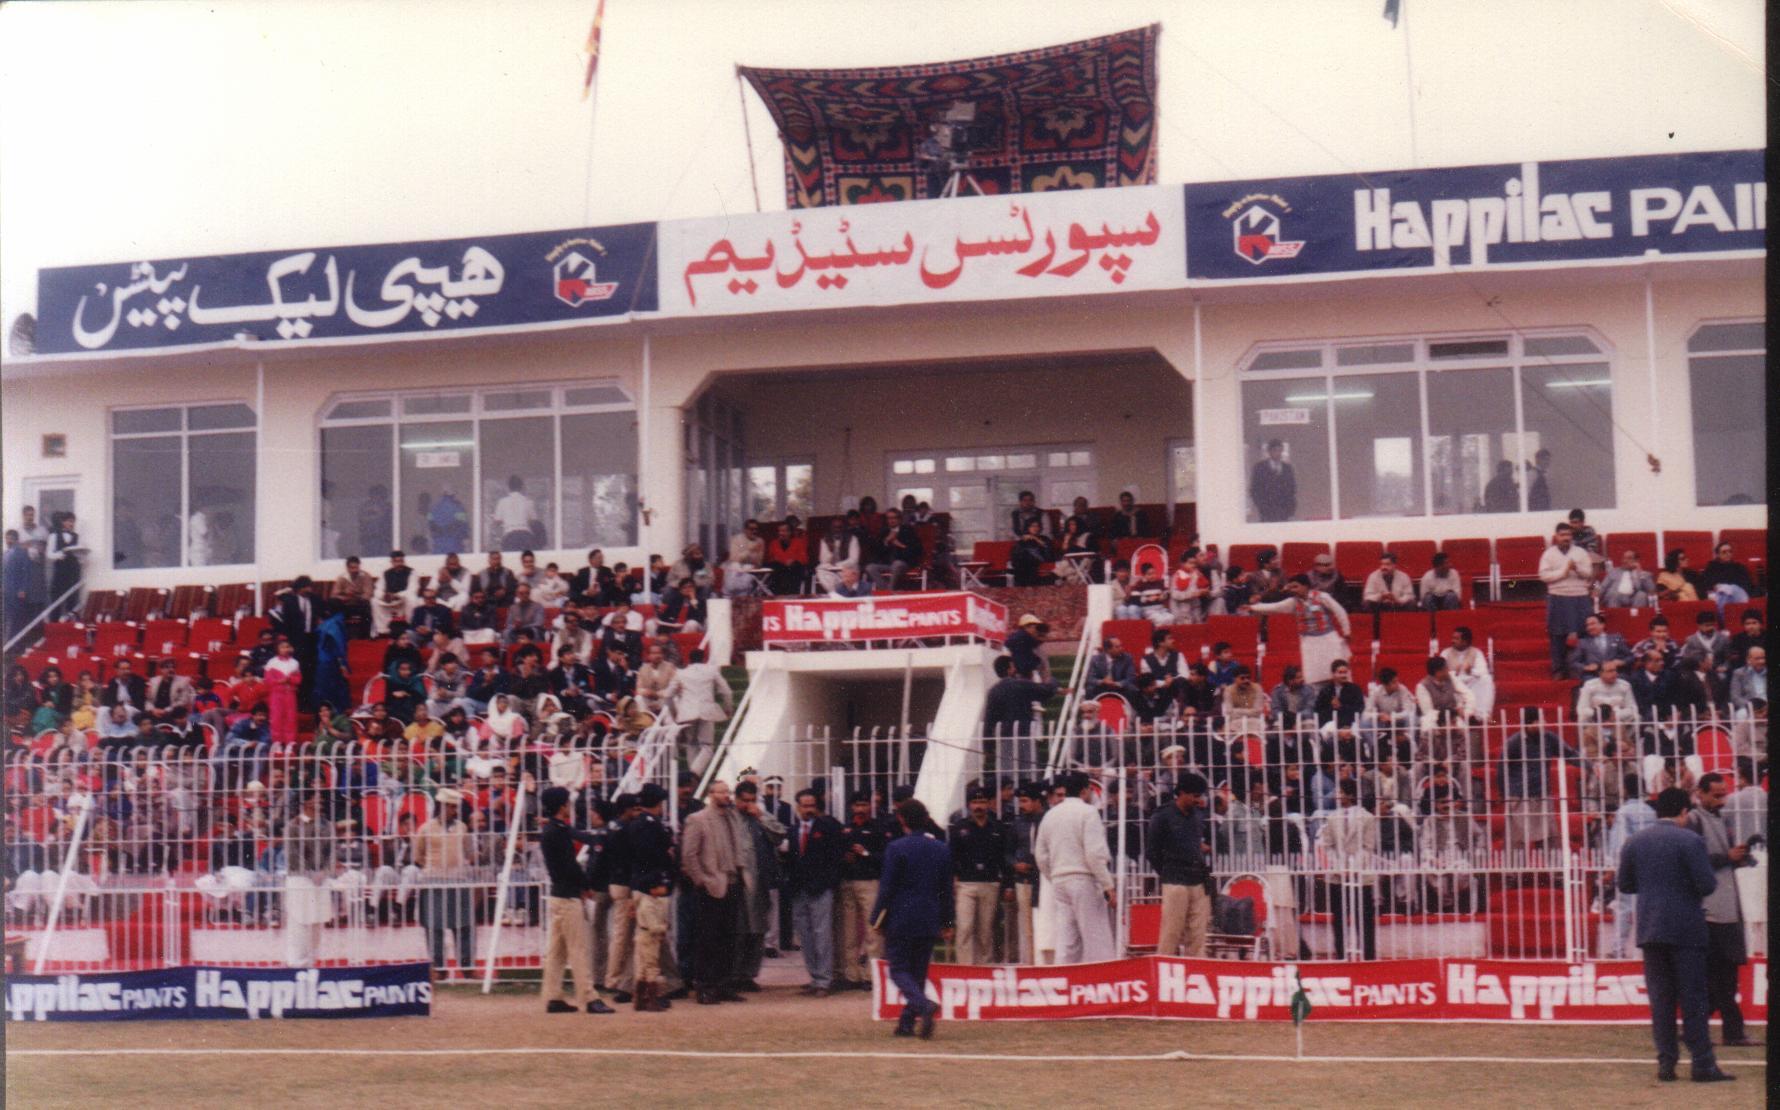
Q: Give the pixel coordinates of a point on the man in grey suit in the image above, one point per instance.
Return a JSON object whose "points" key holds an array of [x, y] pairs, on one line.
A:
{"points": [[1596, 646], [1724, 909], [1666, 866]]}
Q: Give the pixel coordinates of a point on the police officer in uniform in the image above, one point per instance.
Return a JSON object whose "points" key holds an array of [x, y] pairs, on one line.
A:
{"points": [[566, 935], [863, 839], [650, 847], [979, 864]]}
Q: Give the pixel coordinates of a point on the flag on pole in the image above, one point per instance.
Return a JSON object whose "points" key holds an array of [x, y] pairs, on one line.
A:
{"points": [[593, 50], [1300, 1003], [1393, 9]]}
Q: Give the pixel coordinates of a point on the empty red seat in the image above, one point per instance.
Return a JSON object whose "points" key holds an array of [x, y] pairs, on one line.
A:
{"points": [[1633, 624], [163, 637], [687, 643], [995, 553], [1134, 635], [1615, 544], [1242, 633], [1411, 666], [1356, 559], [1745, 541], [1684, 615], [211, 635], [1415, 557], [1698, 546], [1518, 556], [1404, 632], [115, 638], [1470, 557], [247, 630], [1297, 557], [1243, 554]]}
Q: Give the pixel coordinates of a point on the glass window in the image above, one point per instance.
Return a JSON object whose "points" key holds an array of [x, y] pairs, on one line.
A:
{"points": [[137, 421], [1183, 473], [1306, 359], [584, 395], [959, 464], [1540, 346], [438, 468], [1057, 458], [202, 418], [1378, 432], [924, 466], [147, 501], [763, 492], [903, 466], [517, 400], [1081, 458], [1730, 429], [1022, 462], [356, 512], [359, 410], [518, 483], [1293, 412], [434, 404], [599, 479], [1746, 336], [991, 462], [1375, 354], [219, 529], [1570, 409], [800, 490], [1470, 437], [1469, 348]]}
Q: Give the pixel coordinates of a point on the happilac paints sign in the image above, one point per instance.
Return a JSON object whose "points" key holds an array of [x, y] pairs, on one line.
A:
{"points": [[1478, 216], [212, 993], [813, 620]]}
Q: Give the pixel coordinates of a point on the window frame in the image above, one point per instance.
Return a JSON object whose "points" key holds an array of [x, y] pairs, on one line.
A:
{"points": [[778, 464], [184, 434], [477, 413], [1692, 401], [1329, 370]]}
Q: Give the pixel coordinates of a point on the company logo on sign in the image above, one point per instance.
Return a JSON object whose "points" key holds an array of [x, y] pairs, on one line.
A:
{"points": [[574, 277], [1255, 223]]}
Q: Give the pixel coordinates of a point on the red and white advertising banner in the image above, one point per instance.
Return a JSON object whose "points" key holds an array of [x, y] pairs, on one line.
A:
{"points": [[1055, 244], [792, 620], [1169, 988]]}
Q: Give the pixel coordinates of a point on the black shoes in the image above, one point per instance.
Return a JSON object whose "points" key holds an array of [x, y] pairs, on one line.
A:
{"points": [[926, 1030], [558, 1006], [598, 1007], [708, 998], [748, 985], [1743, 1042], [683, 992], [1666, 1073], [622, 997], [727, 995], [1716, 1075], [903, 1031]]}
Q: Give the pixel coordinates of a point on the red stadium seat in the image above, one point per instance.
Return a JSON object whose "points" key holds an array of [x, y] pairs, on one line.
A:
{"points": [[1404, 632], [1243, 554], [60, 636], [1615, 544], [163, 636], [995, 553], [1698, 546], [1518, 556], [1242, 633], [1297, 557], [1112, 711], [1356, 559], [1477, 620], [1633, 624], [115, 638], [247, 630], [1135, 635], [211, 635], [1470, 557], [1149, 554], [1684, 615], [1414, 557], [687, 642]]}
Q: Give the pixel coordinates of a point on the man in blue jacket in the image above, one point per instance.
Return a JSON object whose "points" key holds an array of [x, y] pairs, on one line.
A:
{"points": [[1667, 867], [914, 911]]}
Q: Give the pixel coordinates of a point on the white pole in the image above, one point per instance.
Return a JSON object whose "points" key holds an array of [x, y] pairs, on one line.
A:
{"points": [[500, 898], [1122, 882], [1409, 80], [1656, 503], [646, 535], [259, 483], [69, 861]]}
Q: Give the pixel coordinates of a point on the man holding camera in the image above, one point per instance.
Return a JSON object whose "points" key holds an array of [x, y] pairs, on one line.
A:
{"points": [[1724, 911]]}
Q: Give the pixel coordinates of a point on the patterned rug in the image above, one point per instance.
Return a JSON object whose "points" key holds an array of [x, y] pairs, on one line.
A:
{"points": [[1077, 116]]}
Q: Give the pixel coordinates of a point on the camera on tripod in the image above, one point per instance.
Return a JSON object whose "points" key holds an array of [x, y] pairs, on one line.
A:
{"points": [[950, 141]]}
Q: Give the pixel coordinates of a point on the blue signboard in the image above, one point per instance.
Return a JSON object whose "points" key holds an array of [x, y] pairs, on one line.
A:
{"points": [[363, 291], [213, 993], [1477, 216]]}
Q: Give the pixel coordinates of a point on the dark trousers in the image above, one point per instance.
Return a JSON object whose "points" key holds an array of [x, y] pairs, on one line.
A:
{"points": [[685, 926], [1724, 955], [1675, 976], [1347, 901], [1563, 616], [715, 925], [909, 957]]}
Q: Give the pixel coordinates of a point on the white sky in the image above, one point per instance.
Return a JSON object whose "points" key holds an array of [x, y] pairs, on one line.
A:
{"points": [[161, 128]]}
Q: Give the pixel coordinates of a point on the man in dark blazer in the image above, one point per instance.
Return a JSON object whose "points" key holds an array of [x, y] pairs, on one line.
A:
{"points": [[914, 911], [813, 873], [1666, 866], [1273, 485], [296, 615], [125, 687]]}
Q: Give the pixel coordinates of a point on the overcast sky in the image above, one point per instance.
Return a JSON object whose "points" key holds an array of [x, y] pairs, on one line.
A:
{"points": [[160, 128]]}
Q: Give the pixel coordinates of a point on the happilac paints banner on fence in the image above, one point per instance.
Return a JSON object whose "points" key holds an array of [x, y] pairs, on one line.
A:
{"points": [[816, 620], [1171, 988], [222, 993]]}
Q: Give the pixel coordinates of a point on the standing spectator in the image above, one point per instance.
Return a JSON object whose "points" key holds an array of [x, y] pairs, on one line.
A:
{"points": [[309, 863], [448, 524], [702, 700], [1322, 626], [441, 851], [712, 854], [914, 911], [1633, 815], [1502, 493], [1176, 847], [813, 873], [22, 572], [1022, 647], [1585, 535], [1022, 869], [1725, 946], [788, 557], [979, 850], [1628, 585], [862, 863], [1568, 573], [1349, 840], [1388, 589], [63, 552], [1273, 485], [514, 518], [1538, 482], [1669, 870], [284, 676], [1526, 769], [1008, 709], [760, 874], [1072, 855]]}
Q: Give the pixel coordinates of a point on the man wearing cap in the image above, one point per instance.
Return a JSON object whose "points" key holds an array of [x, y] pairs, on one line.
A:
{"points": [[774, 805], [565, 937], [1176, 847], [621, 922], [979, 861], [712, 854], [441, 851], [1022, 647], [1022, 868], [864, 839], [1322, 626], [1073, 857], [651, 856]]}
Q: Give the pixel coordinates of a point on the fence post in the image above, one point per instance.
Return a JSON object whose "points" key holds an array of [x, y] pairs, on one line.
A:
{"points": [[69, 862], [1122, 877], [1574, 930], [500, 897]]}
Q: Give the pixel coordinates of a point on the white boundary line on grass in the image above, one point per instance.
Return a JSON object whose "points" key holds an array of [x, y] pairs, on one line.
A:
{"points": [[979, 1057]]}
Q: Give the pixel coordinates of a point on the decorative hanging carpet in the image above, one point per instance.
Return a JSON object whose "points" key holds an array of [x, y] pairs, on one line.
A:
{"points": [[1077, 116]]}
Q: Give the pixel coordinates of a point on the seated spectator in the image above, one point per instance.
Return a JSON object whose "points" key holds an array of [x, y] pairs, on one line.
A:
{"points": [[529, 573], [1076, 552], [1754, 634], [683, 611], [424, 727], [654, 679], [1238, 592], [432, 614], [901, 552], [525, 615], [552, 589], [402, 648], [1323, 576], [452, 584], [1085, 524], [1024, 515], [646, 587], [1659, 642], [1149, 701], [1265, 579], [837, 551], [167, 692], [622, 630], [1691, 690], [118, 723], [1388, 589], [1293, 700], [1391, 708], [1442, 586], [747, 553], [1199, 705], [1628, 585], [1123, 608], [788, 558], [353, 591], [395, 594], [1710, 644], [1223, 664], [1675, 581], [850, 584], [1607, 708], [1111, 670], [246, 746], [1031, 551], [505, 723], [693, 565], [1148, 595], [488, 681], [480, 622], [1165, 661], [264, 650], [1245, 705], [497, 583], [1127, 520], [571, 683], [572, 635], [450, 686], [1596, 646], [1447, 710], [403, 690], [1650, 684], [613, 678], [1724, 580], [1339, 704]]}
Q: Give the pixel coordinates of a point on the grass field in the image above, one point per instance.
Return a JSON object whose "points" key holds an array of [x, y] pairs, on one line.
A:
{"points": [[504, 1050]]}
